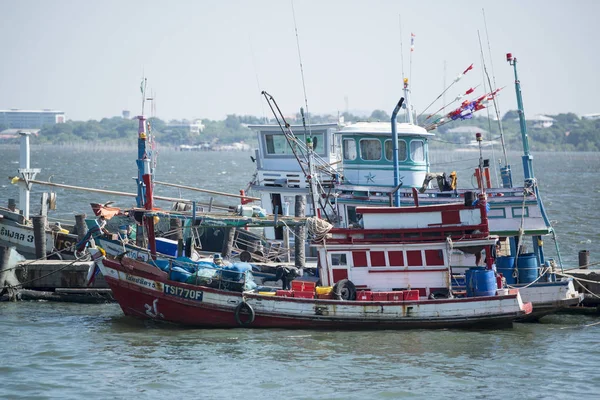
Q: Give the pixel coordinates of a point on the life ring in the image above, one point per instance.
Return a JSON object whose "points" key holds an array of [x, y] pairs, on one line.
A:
{"points": [[247, 310]]}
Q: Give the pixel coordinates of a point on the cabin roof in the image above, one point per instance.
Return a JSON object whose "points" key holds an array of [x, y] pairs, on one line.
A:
{"points": [[379, 128], [277, 128]]}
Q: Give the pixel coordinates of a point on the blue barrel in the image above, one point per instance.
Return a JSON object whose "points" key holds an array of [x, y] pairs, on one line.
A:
{"points": [[480, 282], [528, 267], [505, 265]]}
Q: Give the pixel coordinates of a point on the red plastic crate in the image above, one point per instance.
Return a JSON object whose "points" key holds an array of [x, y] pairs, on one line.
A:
{"points": [[364, 295], [380, 296], [297, 286], [304, 295], [309, 286], [396, 296], [283, 293], [411, 295]]}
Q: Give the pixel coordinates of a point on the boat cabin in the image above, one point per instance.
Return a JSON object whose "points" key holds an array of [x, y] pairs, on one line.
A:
{"points": [[279, 176], [403, 248]]}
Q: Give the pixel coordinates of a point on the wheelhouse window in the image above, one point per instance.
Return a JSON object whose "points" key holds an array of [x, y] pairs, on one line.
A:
{"points": [[278, 145], [417, 151], [338, 259], [349, 149], [389, 150], [370, 149]]}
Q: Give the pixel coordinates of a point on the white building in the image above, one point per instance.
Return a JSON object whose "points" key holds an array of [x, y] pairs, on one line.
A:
{"points": [[30, 119], [591, 116], [194, 127], [540, 121]]}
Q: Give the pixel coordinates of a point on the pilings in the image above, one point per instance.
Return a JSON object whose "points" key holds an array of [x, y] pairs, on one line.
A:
{"points": [[300, 233], [39, 235], [80, 226], [584, 259], [228, 243], [12, 205], [4, 257]]}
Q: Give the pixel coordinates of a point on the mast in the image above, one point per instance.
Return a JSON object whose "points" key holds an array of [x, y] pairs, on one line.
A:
{"points": [[145, 184], [27, 173], [528, 159], [395, 146]]}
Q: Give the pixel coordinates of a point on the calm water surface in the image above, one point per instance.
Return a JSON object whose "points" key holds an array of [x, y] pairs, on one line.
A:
{"points": [[67, 351]]}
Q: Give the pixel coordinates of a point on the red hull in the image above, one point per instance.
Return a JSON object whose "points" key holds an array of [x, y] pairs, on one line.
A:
{"points": [[146, 303]]}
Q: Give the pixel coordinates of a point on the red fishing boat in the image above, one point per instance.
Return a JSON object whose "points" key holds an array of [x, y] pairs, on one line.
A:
{"points": [[393, 273]]}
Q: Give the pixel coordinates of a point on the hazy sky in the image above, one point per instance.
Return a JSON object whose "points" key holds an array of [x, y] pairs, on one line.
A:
{"points": [[207, 59]]}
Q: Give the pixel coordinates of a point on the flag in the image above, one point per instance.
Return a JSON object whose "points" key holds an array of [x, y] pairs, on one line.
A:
{"points": [[470, 67], [94, 274], [142, 86], [412, 41]]}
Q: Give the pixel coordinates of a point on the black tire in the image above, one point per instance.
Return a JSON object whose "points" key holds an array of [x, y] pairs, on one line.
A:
{"points": [[344, 290], [245, 309], [245, 256]]}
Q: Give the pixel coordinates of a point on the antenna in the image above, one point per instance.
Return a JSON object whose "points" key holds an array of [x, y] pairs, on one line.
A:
{"points": [[301, 69]]}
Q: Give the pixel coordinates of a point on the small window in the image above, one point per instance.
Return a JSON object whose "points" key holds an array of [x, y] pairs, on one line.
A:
{"points": [[349, 149], [338, 259], [370, 149], [417, 152], [277, 145], [389, 150]]}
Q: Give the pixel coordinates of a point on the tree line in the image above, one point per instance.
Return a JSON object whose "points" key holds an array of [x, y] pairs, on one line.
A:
{"points": [[568, 132]]}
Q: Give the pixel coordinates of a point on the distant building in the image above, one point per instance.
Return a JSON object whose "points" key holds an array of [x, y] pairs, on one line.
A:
{"points": [[13, 134], [540, 121], [126, 114], [591, 116], [30, 119], [194, 127]]}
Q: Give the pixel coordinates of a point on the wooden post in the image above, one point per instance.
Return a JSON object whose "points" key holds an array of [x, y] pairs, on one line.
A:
{"points": [[39, 235], [188, 247], [12, 205], [228, 243], [140, 241], [180, 247], [584, 259], [286, 233], [300, 232], [80, 226], [175, 226], [4, 257]]}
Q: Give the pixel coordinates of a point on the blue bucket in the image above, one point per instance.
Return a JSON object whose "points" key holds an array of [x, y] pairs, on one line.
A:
{"points": [[528, 267], [480, 282], [505, 265]]}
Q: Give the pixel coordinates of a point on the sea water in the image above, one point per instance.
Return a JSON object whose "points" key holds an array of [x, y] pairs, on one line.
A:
{"points": [[74, 351]]}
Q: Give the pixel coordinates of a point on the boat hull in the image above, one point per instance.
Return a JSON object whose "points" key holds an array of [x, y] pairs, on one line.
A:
{"points": [[144, 292]]}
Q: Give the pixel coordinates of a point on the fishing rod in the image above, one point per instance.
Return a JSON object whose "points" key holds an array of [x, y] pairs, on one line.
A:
{"points": [[458, 78], [459, 97]]}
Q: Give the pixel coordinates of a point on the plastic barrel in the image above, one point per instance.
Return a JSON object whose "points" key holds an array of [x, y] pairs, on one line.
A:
{"points": [[480, 282], [528, 267], [505, 265]]}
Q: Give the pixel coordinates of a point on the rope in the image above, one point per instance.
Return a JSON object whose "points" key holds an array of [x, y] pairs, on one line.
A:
{"points": [[579, 280], [44, 276], [318, 228], [529, 284]]}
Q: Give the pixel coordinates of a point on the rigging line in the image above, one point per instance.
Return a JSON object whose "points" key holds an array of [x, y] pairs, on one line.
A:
{"points": [[483, 73], [401, 47], [287, 135], [262, 106], [496, 106], [301, 68]]}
